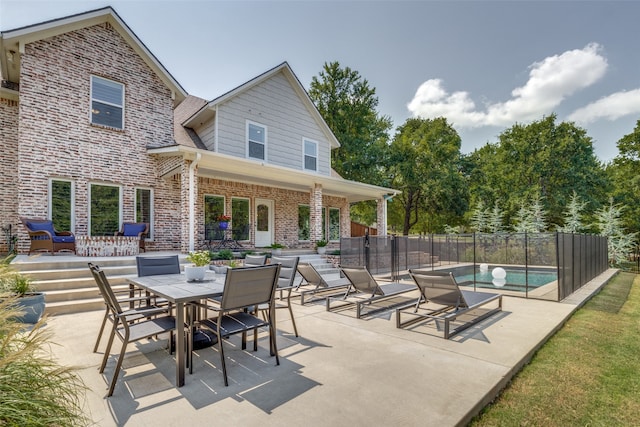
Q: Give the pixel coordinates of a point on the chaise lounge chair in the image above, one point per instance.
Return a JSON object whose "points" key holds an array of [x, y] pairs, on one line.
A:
{"points": [[369, 291], [312, 278], [442, 289]]}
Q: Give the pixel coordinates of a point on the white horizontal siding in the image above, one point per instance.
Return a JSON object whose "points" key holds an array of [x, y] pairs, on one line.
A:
{"points": [[274, 104]]}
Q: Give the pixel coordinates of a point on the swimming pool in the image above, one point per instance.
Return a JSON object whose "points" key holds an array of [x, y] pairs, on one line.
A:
{"points": [[517, 279]]}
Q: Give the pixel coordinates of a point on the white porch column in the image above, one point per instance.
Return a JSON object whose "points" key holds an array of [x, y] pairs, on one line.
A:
{"points": [[382, 216]]}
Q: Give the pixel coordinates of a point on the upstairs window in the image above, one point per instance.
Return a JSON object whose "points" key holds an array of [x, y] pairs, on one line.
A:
{"points": [[107, 103], [256, 141], [310, 155]]}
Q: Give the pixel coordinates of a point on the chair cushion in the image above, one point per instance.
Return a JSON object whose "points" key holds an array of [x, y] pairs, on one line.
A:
{"points": [[133, 229], [63, 239], [41, 226]]}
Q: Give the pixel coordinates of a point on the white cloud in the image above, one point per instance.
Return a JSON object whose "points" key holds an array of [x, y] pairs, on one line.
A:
{"points": [[550, 82], [610, 107]]}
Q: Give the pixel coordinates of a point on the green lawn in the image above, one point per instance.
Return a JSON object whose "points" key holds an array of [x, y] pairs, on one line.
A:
{"points": [[588, 374]]}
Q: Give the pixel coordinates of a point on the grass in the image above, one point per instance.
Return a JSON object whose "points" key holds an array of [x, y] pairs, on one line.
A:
{"points": [[586, 374]]}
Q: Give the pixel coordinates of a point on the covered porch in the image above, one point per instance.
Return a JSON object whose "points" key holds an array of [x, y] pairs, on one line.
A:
{"points": [[261, 204]]}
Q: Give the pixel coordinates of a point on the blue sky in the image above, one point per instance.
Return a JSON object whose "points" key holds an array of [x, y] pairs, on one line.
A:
{"points": [[484, 65]]}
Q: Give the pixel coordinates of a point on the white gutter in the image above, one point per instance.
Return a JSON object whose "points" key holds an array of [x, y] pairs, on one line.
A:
{"points": [[192, 201]]}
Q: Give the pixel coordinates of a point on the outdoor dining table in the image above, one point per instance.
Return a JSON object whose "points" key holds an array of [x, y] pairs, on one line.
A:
{"points": [[176, 289]]}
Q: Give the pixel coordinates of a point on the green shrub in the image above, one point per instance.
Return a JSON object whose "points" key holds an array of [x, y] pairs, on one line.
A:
{"points": [[12, 283], [199, 258], [225, 254], [321, 243]]}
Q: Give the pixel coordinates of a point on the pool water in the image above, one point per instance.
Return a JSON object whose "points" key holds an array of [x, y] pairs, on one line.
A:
{"points": [[516, 280]]}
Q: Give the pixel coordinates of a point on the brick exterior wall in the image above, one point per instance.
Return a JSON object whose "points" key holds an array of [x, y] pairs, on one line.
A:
{"points": [[9, 174], [56, 139], [286, 204], [48, 135]]}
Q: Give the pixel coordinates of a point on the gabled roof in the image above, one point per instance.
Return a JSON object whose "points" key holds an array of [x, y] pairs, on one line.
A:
{"points": [[12, 43], [208, 110]]}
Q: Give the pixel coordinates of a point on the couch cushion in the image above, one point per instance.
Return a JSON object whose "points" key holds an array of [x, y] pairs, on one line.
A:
{"points": [[133, 229], [63, 239]]}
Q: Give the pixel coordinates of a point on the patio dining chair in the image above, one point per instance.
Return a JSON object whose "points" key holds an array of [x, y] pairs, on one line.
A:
{"points": [[244, 289], [254, 260], [142, 311], [286, 277], [318, 284], [125, 327], [367, 291], [452, 303], [157, 265]]}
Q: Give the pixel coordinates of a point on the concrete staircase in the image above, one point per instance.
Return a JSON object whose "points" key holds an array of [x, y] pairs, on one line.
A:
{"points": [[69, 286]]}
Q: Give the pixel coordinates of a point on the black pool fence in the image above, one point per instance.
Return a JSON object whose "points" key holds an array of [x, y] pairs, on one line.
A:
{"points": [[575, 258]]}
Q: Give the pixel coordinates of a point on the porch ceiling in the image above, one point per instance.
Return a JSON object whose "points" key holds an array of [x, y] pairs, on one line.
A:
{"points": [[229, 168]]}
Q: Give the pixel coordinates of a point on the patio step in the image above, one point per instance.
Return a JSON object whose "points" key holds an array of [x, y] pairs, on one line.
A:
{"points": [[69, 286]]}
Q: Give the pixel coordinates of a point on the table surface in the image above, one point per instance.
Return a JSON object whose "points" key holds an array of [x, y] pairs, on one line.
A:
{"points": [[176, 288]]}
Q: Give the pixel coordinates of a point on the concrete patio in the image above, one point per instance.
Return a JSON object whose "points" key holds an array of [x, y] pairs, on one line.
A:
{"points": [[340, 371]]}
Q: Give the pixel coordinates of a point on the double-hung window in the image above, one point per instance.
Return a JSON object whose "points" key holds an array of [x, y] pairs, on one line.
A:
{"points": [[256, 141], [107, 103], [310, 155]]}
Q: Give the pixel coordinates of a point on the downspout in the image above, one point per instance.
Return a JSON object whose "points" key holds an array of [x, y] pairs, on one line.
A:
{"points": [[192, 201]]}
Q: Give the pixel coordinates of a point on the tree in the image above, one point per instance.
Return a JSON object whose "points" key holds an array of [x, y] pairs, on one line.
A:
{"points": [[530, 217], [542, 158], [496, 219], [424, 162], [480, 218], [625, 174], [573, 215], [348, 105], [620, 242]]}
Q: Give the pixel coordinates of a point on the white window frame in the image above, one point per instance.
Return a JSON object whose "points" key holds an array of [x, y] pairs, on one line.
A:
{"points": [[304, 154], [249, 123], [73, 200], [91, 100], [120, 201], [150, 235]]}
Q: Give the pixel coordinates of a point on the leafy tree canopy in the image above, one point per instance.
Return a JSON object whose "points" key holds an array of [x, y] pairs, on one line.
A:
{"points": [[625, 174], [424, 162], [542, 159], [348, 105]]}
